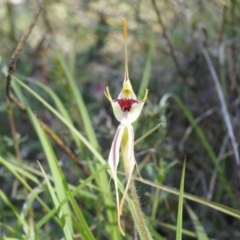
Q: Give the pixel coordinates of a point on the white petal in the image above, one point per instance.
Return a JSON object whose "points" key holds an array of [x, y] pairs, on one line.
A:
{"points": [[127, 147], [113, 161], [113, 158], [128, 159], [134, 113], [127, 117], [118, 113]]}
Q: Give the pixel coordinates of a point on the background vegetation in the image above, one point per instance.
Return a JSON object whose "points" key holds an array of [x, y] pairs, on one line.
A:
{"points": [[74, 52]]}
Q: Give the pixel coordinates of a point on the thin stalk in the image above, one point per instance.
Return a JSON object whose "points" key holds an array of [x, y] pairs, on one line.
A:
{"points": [[12, 64], [18, 154], [155, 204], [10, 97], [141, 221], [125, 35], [171, 49], [226, 115]]}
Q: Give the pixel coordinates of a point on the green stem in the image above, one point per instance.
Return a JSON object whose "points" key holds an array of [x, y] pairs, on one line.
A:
{"points": [[141, 221]]}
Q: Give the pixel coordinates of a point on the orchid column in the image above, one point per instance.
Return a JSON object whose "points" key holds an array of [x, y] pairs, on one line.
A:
{"points": [[126, 109]]}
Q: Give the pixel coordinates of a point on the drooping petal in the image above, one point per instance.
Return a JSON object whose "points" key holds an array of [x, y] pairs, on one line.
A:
{"points": [[127, 147], [113, 161], [113, 158]]}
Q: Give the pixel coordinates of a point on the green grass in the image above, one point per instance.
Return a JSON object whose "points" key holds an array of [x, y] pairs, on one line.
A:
{"points": [[60, 190], [44, 194]]}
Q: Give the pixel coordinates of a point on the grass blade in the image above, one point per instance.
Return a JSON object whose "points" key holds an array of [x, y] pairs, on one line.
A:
{"points": [[64, 193], [199, 229], [147, 70], [8, 165], [217, 206], [80, 103], [67, 232], [180, 204], [203, 141], [24, 223]]}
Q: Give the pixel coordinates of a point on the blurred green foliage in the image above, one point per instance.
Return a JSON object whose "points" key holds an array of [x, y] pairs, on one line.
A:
{"points": [[87, 34]]}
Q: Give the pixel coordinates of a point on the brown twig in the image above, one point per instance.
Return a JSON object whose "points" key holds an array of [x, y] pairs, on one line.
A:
{"points": [[11, 97], [12, 64], [60, 142], [164, 32], [13, 131]]}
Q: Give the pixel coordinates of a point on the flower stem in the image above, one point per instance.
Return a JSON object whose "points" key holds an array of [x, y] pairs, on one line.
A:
{"points": [[124, 25], [141, 221]]}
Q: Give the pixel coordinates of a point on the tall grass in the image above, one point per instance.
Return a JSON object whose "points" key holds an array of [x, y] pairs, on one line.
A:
{"points": [[59, 187]]}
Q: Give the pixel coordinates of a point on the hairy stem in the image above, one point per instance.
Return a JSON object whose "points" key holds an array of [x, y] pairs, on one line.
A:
{"points": [[141, 221]]}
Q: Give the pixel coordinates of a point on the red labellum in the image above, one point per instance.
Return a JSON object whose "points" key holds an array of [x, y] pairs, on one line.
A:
{"points": [[126, 104]]}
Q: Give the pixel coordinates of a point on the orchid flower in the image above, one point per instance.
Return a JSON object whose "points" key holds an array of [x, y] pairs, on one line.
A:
{"points": [[126, 109]]}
